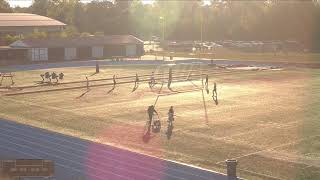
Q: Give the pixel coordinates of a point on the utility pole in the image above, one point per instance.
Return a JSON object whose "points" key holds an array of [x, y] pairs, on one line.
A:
{"points": [[162, 19], [201, 29], [201, 26], [163, 32]]}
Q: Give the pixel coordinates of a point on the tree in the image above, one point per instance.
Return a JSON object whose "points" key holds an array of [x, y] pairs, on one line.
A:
{"points": [[10, 39], [85, 34], [5, 7], [37, 35], [182, 20], [40, 7]]}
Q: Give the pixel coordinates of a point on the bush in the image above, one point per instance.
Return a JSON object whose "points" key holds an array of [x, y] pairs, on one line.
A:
{"points": [[37, 35], [99, 33], [85, 34], [10, 39]]}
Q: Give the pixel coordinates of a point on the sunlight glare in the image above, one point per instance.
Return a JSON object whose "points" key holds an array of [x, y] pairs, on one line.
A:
{"points": [[147, 2]]}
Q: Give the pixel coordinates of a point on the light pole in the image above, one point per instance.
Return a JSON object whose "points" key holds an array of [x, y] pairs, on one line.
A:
{"points": [[163, 26], [201, 30], [163, 31], [202, 6]]}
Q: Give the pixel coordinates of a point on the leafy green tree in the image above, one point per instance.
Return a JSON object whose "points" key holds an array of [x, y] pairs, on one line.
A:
{"points": [[182, 20], [37, 35], [11, 38], [40, 7], [85, 34], [99, 33]]}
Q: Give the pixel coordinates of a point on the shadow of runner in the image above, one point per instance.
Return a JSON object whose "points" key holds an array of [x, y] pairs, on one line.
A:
{"points": [[136, 85], [93, 74], [169, 131], [172, 90], [111, 90], [83, 94], [39, 82], [146, 137], [215, 98], [215, 94], [205, 108]]}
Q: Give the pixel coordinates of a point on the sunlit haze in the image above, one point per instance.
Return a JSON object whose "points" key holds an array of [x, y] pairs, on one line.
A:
{"points": [[160, 89]]}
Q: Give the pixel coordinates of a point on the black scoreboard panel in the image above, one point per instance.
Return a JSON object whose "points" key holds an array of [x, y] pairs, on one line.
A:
{"points": [[27, 168]]}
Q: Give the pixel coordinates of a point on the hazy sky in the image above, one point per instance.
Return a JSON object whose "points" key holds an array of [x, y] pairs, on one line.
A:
{"points": [[26, 3]]}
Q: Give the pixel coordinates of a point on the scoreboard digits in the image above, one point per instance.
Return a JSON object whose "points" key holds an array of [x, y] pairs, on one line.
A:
{"points": [[27, 168]]}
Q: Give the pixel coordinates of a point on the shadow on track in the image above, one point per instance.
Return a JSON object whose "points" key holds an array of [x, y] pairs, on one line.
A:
{"points": [[83, 94]]}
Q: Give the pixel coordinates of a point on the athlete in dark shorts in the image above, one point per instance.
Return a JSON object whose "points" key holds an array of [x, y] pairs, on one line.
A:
{"points": [[151, 112]]}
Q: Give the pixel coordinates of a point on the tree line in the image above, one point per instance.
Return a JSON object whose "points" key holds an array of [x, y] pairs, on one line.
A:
{"points": [[187, 20]]}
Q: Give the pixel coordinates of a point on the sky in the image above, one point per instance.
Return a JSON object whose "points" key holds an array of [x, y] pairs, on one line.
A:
{"points": [[27, 3], [24, 3]]}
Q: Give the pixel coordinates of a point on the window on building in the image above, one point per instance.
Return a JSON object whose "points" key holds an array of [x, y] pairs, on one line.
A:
{"points": [[39, 54]]}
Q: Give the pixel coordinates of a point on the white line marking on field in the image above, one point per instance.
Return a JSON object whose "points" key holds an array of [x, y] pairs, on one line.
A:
{"points": [[272, 148]]}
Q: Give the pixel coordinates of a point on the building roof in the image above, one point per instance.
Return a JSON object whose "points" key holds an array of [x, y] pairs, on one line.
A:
{"points": [[78, 42], [24, 19], [4, 47]]}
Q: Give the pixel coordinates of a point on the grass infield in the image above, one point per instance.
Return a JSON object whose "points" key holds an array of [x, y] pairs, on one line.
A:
{"points": [[268, 120]]}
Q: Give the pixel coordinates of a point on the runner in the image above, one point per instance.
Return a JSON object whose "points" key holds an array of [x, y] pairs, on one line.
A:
{"points": [[114, 81], [114, 84], [55, 76], [207, 80], [215, 94], [61, 75], [215, 87], [171, 116], [47, 76], [152, 81], [170, 122], [42, 77], [136, 83], [151, 112], [207, 83], [87, 83]]}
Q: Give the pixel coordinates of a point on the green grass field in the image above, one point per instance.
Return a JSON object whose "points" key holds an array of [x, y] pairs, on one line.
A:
{"points": [[268, 120]]}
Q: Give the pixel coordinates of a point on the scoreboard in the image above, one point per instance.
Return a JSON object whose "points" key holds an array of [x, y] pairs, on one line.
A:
{"points": [[27, 168]]}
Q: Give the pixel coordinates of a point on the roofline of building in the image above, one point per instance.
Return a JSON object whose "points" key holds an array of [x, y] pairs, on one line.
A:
{"points": [[40, 19], [24, 43]]}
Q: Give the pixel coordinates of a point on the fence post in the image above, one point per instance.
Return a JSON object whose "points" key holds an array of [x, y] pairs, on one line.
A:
{"points": [[97, 67], [232, 168]]}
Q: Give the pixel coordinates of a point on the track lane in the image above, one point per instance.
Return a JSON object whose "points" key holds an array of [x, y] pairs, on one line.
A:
{"points": [[71, 152]]}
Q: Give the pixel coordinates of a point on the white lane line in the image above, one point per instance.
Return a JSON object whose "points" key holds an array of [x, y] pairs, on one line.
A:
{"points": [[272, 148], [55, 163], [56, 156], [42, 132], [88, 159]]}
